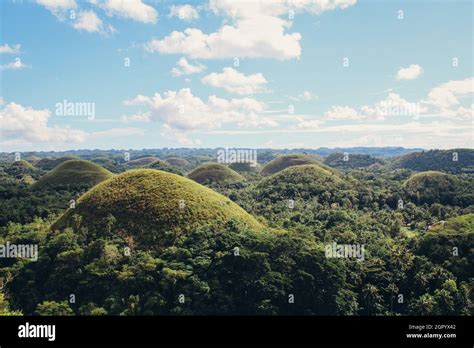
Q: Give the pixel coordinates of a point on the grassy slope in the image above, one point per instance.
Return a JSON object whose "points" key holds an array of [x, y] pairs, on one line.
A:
{"points": [[74, 172], [147, 201], [215, 172], [283, 162]]}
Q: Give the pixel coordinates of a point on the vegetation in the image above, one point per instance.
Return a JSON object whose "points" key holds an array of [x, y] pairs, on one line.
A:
{"points": [[454, 161], [150, 242], [286, 161], [214, 172], [166, 167], [350, 161], [73, 173]]}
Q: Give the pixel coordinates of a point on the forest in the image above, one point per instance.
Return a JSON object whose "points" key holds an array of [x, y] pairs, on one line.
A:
{"points": [[175, 231]]}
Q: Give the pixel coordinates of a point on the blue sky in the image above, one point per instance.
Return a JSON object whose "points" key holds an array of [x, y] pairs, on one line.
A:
{"points": [[310, 73]]}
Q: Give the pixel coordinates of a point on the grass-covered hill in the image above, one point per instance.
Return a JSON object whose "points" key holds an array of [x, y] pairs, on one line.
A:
{"points": [[178, 161], [439, 160], [22, 164], [49, 163], [22, 170], [285, 161], [353, 161], [245, 167], [140, 162], [304, 181], [214, 172], [450, 243], [166, 167], [432, 187], [148, 204], [73, 173]]}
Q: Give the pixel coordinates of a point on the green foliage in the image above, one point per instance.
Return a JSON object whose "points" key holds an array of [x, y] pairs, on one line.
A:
{"points": [[73, 173], [147, 242], [166, 167], [285, 161], [337, 160], [146, 204], [454, 161], [214, 172]]}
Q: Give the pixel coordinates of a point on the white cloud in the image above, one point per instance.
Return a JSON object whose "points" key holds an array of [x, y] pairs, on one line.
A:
{"points": [[338, 112], [15, 49], [263, 38], [180, 137], [30, 125], [256, 8], [257, 31], [392, 106], [2, 101], [58, 8], [411, 72], [182, 112], [305, 96], [183, 67], [130, 9], [17, 64], [447, 94], [184, 12], [235, 82], [90, 22]]}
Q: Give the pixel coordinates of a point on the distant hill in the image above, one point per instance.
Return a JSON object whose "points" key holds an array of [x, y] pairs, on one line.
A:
{"points": [[22, 170], [140, 162], [439, 160], [285, 161], [178, 161], [432, 187], [354, 161], [244, 167], [147, 204], [214, 172], [73, 173], [165, 166], [302, 181], [50, 163]]}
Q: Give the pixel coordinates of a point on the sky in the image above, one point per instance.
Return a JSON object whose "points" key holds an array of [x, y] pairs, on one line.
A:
{"points": [[133, 74]]}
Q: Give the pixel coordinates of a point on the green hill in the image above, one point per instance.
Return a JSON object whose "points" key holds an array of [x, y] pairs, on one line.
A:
{"points": [[432, 187], [140, 162], [244, 167], [214, 172], [20, 168], [439, 160], [22, 164], [303, 181], [145, 204], [285, 161], [178, 161], [353, 161], [166, 167], [74, 173], [50, 163]]}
